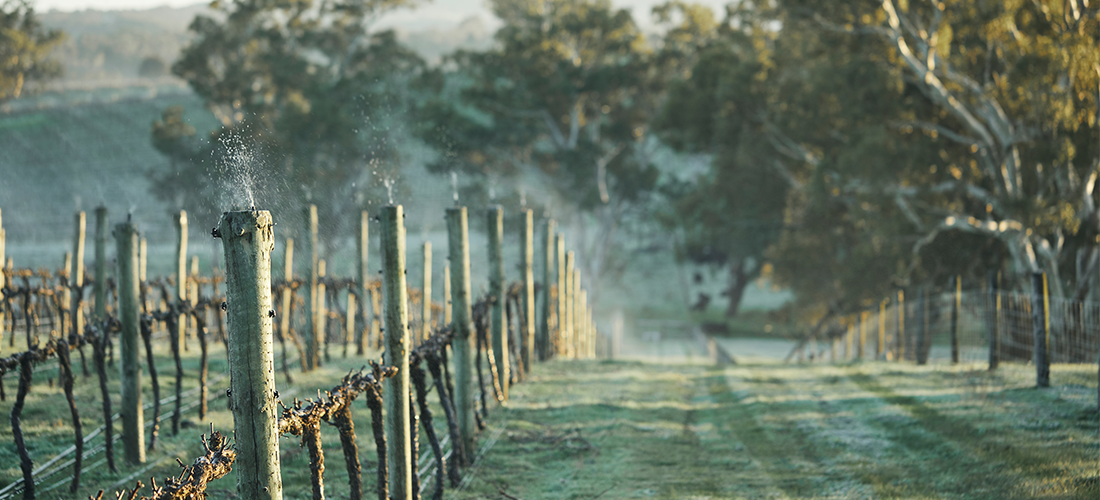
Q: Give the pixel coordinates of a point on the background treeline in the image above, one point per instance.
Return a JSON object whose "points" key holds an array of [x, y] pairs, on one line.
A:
{"points": [[840, 149]]}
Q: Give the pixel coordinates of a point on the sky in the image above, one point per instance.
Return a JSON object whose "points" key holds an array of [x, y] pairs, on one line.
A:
{"points": [[432, 12]]}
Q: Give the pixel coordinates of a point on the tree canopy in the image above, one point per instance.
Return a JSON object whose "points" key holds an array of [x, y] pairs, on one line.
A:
{"points": [[25, 46]]}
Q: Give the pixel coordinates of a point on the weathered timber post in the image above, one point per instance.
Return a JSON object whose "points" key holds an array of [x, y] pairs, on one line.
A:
{"points": [[496, 291], [583, 340], [557, 343], [312, 343], [143, 260], [567, 318], [362, 334], [426, 295], [955, 304], [3, 281], [458, 243], [862, 334], [66, 295], [193, 296], [248, 240], [447, 294], [349, 321], [922, 326], [881, 346], [899, 336], [993, 319], [1040, 321], [284, 309], [575, 315], [320, 312], [546, 305], [76, 280], [397, 353], [593, 333], [181, 276], [133, 425], [527, 254], [100, 263]]}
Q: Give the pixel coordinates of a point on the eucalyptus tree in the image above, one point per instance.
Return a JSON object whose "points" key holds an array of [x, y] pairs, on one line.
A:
{"points": [[306, 97], [25, 46]]}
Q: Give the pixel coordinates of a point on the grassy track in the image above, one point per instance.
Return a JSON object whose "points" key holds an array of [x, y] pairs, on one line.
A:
{"points": [[871, 430]]}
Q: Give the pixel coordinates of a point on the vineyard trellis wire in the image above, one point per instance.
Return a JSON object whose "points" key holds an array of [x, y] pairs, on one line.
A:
{"points": [[38, 308]]}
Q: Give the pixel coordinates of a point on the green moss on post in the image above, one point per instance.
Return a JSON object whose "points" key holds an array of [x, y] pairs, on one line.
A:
{"points": [[133, 426], [248, 240], [458, 245], [496, 290], [399, 449]]}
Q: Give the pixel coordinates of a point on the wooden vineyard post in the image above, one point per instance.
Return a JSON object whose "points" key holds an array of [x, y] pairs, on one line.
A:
{"points": [[993, 319], [899, 336], [248, 240], [922, 326], [193, 295], [955, 304], [426, 295], [284, 309], [320, 312], [576, 319], [76, 279], [181, 275], [616, 333], [396, 395], [558, 345], [458, 247], [143, 259], [312, 343], [527, 252], [583, 340], [133, 425], [496, 291], [100, 289], [1040, 320], [3, 280], [862, 334], [362, 283], [567, 318], [881, 346], [546, 304], [447, 294]]}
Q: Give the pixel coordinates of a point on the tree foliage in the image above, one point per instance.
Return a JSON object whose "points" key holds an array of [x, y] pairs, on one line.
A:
{"points": [[25, 47]]}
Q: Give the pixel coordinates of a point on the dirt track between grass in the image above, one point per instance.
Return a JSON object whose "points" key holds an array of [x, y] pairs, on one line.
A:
{"points": [[769, 430]]}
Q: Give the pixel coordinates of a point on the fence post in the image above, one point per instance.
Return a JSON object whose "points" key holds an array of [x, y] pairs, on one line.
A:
{"points": [[1040, 321], [320, 308], [3, 279], [312, 343], [993, 319], [100, 262], [288, 276], [446, 294], [397, 352], [881, 346], [922, 326], [562, 325], [76, 280], [955, 304], [426, 295], [528, 255], [496, 291], [248, 240], [458, 247], [363, 245], [133, 425], [547, 275], [567, 318], [862, 333], [575, 318], [582, 337], [181, 275], [899, 336]]}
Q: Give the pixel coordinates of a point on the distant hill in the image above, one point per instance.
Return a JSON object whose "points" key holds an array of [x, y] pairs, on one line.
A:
{"points": [[108, 47]]}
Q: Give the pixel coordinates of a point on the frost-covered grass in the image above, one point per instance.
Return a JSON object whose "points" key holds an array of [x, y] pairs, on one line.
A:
{"points": [[881, 430]]}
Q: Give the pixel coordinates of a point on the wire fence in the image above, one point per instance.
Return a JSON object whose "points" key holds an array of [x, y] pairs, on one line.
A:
{"points": [[983, 325]]}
